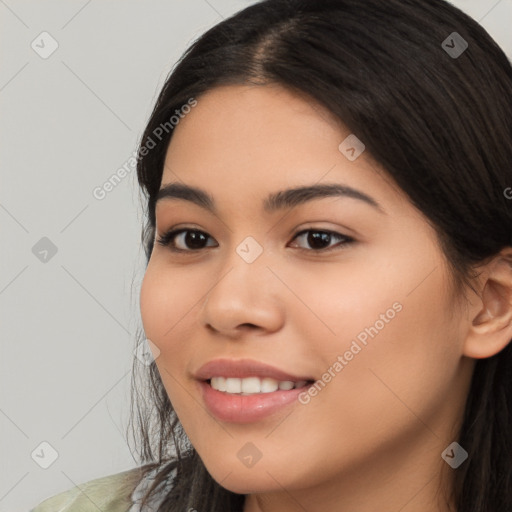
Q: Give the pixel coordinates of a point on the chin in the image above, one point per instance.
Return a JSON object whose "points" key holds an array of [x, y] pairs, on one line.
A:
{"points": [[248, 483], [238, 478]]}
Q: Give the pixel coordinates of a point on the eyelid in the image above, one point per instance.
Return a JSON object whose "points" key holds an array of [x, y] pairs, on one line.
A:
{"points": [[170, 235]]}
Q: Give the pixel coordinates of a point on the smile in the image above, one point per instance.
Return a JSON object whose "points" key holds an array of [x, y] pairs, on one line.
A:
{"points": [[253, 385]]}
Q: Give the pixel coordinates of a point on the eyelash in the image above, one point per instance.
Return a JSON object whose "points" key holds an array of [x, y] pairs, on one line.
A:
{"points": [[169, 236]]}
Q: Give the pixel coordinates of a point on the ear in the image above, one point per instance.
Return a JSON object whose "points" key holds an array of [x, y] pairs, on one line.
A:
{"points": [[490, 330]]}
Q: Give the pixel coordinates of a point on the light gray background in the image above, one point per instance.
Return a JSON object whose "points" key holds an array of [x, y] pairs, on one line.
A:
{"points": [[68, 123]]}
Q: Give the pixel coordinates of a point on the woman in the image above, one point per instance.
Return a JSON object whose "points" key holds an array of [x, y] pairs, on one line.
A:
{"points": [[328, 294]]}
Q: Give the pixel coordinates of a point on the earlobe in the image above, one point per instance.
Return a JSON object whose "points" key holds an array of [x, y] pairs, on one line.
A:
{"points": [[491, 328]]}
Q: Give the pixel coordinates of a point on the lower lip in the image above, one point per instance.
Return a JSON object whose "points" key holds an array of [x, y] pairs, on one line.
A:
{"points": [[247, 408]]}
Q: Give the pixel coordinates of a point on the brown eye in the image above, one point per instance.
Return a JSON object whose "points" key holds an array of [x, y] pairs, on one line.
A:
{"points": [[191, 239], [194, 240], [319, 240]]}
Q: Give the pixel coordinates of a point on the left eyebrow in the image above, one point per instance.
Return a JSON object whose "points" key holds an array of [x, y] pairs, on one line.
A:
{"points": [[288, 198]]}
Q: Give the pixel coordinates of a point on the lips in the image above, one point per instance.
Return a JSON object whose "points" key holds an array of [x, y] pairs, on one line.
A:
{"points": [[241, 368], [233, 408]]}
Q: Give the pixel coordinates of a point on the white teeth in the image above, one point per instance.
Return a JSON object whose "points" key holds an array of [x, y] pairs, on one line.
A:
{"points": [[233, 385], [252, 385], [219, 383], [268, 385]]}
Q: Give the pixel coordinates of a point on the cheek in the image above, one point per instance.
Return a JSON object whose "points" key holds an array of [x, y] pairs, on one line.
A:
{"points": [[341, 303], [403, 349], [151, 295], [170, 300], [393, 326], [163, 302]]}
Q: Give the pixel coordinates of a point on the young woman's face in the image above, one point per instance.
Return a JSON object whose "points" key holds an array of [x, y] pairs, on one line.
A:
{"points": [[371, 320]]}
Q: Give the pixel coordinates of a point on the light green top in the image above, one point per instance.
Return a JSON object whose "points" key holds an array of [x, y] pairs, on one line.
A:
{"points": [[119, 492]]}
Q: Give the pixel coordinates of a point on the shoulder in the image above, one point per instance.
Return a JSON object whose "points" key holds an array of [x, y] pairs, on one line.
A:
{"points": [[120, 492]]}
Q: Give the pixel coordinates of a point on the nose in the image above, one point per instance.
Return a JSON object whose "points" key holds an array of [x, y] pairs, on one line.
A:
{"points": [[245, 298]]}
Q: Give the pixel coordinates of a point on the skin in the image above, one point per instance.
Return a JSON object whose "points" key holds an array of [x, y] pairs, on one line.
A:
{"points": [[372, 438]]}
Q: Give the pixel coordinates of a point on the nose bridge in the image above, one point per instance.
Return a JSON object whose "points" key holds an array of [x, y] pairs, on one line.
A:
{"points": [[249, 250], [243, 293], [243, 269]]}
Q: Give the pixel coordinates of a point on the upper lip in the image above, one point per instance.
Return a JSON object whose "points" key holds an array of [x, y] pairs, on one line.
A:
{"points": [[241, 368]]}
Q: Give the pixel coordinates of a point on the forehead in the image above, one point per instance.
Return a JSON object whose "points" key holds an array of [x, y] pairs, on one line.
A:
{"points": [[242, 118], [242, 141]]}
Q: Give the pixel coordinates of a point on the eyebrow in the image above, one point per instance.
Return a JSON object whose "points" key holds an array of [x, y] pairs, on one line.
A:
{"points": [[275, 201]]}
